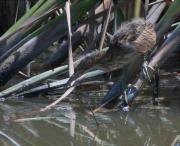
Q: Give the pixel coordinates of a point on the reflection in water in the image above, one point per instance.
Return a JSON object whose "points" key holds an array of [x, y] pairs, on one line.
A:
{"points": [[176, 141], [8, 139], [71, 126]]}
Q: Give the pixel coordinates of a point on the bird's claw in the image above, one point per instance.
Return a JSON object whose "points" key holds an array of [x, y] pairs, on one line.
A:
{"points": [[148, 72], [127, 97]]}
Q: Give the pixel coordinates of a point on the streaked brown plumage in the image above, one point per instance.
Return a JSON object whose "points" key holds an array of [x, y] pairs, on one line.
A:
{"points": [[136, 34]]}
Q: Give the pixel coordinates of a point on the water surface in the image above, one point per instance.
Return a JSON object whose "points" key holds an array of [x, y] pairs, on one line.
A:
{"points": [[70, 125]]}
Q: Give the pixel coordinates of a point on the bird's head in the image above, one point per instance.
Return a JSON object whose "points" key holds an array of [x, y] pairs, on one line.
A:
{"points": [[136, 35]]}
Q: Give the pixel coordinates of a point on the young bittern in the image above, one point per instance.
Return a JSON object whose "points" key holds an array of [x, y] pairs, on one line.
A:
{"points": [[136, 36]]}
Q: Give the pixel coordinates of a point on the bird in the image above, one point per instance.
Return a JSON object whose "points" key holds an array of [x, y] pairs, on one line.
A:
{"points": [[132, 38], [137, 35]]}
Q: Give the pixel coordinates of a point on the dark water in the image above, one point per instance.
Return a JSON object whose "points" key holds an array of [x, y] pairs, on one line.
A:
{"points": [[70, 125]]}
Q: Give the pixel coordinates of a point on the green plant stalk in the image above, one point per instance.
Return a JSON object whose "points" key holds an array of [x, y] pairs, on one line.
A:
{"points": [[33, 48], [49, 4], [171, 13], [12, 43], [23, 33], [33, 80], [61, 83], [77, 11], [38, 78], [137, 8], [46, 6], [172, 10], [25, 17], [39, 8], [76, 15], [167, 20]]}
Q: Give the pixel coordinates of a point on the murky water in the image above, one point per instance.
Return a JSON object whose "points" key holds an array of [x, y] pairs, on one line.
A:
{"points": [[70, 125]]}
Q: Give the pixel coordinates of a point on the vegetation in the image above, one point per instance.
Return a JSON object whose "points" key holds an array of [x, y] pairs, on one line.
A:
{"points": [[75, 38]]}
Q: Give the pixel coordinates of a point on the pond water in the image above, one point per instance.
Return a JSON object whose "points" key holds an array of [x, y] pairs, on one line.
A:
{"points": [[71, 125]]}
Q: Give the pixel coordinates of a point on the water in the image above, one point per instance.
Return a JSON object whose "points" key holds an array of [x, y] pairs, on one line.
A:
{"points": [[71, 125]]}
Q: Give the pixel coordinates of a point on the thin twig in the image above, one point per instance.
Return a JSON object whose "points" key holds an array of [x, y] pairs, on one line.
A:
{"points": [[2, 134], [156, 2], [58, 100], [102, 105], [105, 26], [22, 75], [93, 114], [17, 10], [89, 132], [68, 14]]}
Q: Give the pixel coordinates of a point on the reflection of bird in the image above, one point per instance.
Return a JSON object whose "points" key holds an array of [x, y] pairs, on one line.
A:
{"points": [[132, 38]]}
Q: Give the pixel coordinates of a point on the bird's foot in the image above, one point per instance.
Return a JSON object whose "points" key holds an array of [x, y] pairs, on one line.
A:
{"points": [[127, 97]]}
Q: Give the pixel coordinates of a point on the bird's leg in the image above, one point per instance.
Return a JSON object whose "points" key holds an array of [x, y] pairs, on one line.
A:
{"points": [[155, 88], [148, 72], [151, 75]]}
